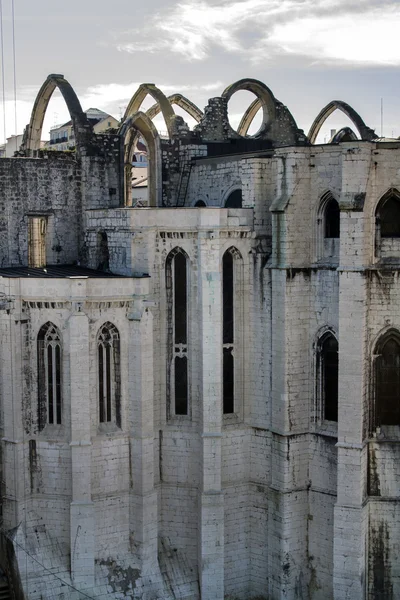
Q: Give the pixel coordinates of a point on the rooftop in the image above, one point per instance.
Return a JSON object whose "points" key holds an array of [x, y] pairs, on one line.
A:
{"points": [[56, 271]]}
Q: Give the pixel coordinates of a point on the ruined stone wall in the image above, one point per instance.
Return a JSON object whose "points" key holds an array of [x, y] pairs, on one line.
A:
{"points": [[50, 187]]}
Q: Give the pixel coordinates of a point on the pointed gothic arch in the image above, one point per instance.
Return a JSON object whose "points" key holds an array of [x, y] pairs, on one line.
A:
{"points": [[165, 106], [140, 123], [181, 101], [366, 133], [82, 127]]}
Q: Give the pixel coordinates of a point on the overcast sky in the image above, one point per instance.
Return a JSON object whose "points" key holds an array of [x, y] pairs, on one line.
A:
{"points": [[307, 51]]}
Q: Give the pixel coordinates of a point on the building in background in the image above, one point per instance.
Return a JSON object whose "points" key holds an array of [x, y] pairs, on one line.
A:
{"points": [[62, 137]]}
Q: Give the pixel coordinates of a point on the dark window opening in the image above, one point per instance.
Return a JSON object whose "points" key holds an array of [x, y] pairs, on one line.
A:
{"points": [[103, 258], [108, 353], [387, 396], [181, 391], [177, 319], [227, 295], [234, 200], [332, 219], [180, 299], [49, 376], [228, 381], [200, 204], [228, 333], [330, 377], [389, 216]]}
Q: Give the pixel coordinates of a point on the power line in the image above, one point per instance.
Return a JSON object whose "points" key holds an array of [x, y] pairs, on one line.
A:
{"points": [[48, 570], [15, 73], [2, 70]]}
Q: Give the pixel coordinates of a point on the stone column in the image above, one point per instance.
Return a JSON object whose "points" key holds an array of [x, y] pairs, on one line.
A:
{"points": [[211, 526], [81, 509], [143, 517], [349, 526], [350, 517], [13, 434]]}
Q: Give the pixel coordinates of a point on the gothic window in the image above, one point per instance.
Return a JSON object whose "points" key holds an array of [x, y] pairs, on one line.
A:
{"points": [[388, 216], [387, 381], [109, 374], [332, 219], [229, 313], [49, 375], [177, 314], [328, 376], [234, 199]]}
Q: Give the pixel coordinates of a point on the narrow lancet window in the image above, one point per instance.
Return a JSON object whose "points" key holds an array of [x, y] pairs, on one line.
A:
{"points": [[328, 376], [389, 216], [332, 219], [387, 379], [228, 383], [177, 299], [108, 356], [49, 375]]}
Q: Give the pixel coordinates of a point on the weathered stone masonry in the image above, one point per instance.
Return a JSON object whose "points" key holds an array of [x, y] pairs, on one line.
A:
{"points": [[121, 494]]}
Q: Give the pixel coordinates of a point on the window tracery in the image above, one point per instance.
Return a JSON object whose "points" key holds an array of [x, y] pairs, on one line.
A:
{"points": [[49, 375]]}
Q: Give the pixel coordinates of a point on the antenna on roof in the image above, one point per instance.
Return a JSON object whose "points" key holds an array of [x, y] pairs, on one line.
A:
{"points": [[381, 117]]}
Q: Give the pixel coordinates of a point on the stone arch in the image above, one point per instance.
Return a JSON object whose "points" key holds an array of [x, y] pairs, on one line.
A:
{"points": [[237, 187], [162, 101], [128, 132], [346, 134], [383, 411], [265, 99], [82, 127], [365, 132], [181, 101]]}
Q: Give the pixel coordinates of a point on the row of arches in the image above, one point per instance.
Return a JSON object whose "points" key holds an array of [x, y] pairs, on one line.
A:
{"points": [[385, 381], [50, 377], [265, 101], [387, 224]]}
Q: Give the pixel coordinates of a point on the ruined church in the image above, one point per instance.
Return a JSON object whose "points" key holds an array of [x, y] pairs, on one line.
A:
{"points": [[200, 397]]}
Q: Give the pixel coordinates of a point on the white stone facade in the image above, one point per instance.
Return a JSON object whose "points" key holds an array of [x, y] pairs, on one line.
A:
{"points": [[268, 499]]}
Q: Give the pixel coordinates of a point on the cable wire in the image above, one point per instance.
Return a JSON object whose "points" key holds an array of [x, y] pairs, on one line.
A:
{"points": [[15, 73], [2, 70], [48, 570]]}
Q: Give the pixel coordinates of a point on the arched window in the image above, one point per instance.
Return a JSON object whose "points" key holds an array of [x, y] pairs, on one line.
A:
{"points": [[177, 316], [200, 203], [387, 381], [328, 230], [388, 215], [328, 377], [332, 219], [229, 329], [234, 199], [109, 374], [49, 375]]}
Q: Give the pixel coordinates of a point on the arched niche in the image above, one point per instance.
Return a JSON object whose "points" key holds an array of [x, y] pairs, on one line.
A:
{"points": [[365, 132], [181, 101], [140, 124], [82, 127], [165, 106], [265, 100], [346, 134]]}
